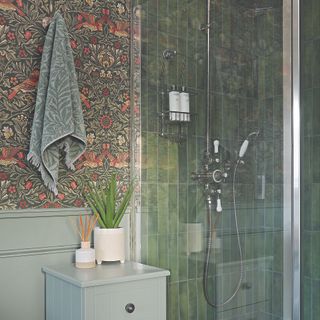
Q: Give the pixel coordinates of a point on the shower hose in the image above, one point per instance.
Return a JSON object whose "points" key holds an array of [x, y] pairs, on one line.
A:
{"points": [[209, 246]]}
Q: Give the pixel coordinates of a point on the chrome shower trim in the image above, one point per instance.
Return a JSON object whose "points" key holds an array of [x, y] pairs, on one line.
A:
{"points": [[208, 111], [169, 54], [296, 163]]}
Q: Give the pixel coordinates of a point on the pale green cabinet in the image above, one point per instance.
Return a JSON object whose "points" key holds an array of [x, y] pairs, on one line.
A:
{"points": [[108, 292]]}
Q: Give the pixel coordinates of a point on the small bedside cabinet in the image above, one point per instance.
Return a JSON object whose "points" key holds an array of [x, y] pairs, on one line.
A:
{"points": [[112, 291]]}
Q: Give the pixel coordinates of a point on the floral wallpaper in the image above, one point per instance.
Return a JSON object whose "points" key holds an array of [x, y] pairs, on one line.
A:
{"points": [[99, 36]]}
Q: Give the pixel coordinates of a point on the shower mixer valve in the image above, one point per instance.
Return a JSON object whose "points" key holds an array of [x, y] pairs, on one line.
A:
{"points": [[214, 173], [216, 170]]}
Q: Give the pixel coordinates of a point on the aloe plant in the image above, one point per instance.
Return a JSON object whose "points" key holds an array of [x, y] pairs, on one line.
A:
{"points": [[104, 202]]}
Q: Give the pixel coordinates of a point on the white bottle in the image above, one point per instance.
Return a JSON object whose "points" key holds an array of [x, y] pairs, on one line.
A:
{"points": [[185, 104], [174, 104]]}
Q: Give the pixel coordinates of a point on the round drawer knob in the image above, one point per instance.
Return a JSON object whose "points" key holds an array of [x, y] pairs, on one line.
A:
{"points": [[130, 307]]}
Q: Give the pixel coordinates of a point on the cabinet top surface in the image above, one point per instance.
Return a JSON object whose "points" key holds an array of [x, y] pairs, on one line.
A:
{"points": [[113, 272]]}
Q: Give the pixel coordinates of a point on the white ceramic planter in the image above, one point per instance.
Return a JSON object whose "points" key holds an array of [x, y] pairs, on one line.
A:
{"points": [[109, 244]]}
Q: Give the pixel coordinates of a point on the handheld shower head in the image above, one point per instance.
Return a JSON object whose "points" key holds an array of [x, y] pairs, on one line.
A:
{"points": [[245, 144]]}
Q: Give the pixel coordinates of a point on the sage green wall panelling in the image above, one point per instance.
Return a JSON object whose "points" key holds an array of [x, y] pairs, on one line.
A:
{"points": [[29, 240], [246, 95]]}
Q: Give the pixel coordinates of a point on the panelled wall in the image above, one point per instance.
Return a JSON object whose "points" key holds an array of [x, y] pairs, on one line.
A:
{"points": [[37, 228]]}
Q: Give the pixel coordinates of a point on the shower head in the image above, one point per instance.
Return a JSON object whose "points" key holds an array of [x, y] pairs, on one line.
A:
{"points": [[245, 143]]}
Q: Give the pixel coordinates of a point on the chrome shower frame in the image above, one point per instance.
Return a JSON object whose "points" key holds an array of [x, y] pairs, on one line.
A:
{"points": [[295, 161], [208, 111]]}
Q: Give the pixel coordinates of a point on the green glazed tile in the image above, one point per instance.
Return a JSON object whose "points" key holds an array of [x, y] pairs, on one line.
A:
{"points": [[152, 157], [173, 209], [163, 160], [315, 298], [173, 162], [201, 302], [316, 18], [163, 251], [173, 257], [269, 78], [307, 22], [307, 253], [184, 299], [277, 292], [183, 163], [152, 197], [183, 266], [316, 67], [316, 112], [173, 301], [144, 248], [307, 65], [278, 251], [152, 222], [315, 254], [315, 207], [192, 303], [153, 256], [307, 298], [192, 266], [183, 206]]}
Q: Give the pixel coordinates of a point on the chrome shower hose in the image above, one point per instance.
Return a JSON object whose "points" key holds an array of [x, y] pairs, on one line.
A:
{"points": [[209, 246]]}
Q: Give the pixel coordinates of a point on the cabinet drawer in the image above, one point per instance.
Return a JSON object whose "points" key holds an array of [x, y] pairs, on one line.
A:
{"points": [[135, 300]]}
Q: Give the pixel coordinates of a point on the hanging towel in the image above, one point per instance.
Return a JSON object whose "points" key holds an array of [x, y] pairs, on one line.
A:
{"points": [[58, 120]]}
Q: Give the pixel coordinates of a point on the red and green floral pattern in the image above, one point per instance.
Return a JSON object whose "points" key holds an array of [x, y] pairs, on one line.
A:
{"points": [[99, 35]]}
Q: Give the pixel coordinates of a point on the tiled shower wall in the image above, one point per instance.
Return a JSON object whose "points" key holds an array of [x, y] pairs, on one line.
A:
{"points": [[247, 98], [165, 166], [310, 214], [246, 95]]}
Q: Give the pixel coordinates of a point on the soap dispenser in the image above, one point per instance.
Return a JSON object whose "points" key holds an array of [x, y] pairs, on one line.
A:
{"points": [[185, 104], [174, 104]]}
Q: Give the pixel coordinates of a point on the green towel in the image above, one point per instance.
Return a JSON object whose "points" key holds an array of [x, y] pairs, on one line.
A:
{"points": [[58, 120]]}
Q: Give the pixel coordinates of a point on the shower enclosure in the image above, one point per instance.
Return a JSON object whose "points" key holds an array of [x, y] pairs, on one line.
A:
{"points": [[219, 201]]}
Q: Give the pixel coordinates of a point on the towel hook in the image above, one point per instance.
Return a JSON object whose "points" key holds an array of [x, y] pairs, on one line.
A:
{"points": [[47, 20], [51, 8]]}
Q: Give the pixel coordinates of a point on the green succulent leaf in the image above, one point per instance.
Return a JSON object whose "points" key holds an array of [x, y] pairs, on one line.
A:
{"points": [[123, 206], [103, 200]]}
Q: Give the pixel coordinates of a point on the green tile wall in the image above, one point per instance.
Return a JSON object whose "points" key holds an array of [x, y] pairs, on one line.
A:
{"points": [[310, 214], [246, 95]]}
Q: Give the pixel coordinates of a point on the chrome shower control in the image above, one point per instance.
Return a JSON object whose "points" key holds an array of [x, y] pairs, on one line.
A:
{"points": [[169, 54], [216, 146], [219, 206], [217, 176]]}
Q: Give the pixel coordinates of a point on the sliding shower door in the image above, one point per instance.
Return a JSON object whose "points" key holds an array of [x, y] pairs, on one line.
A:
{"points": [[250, 100]]}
